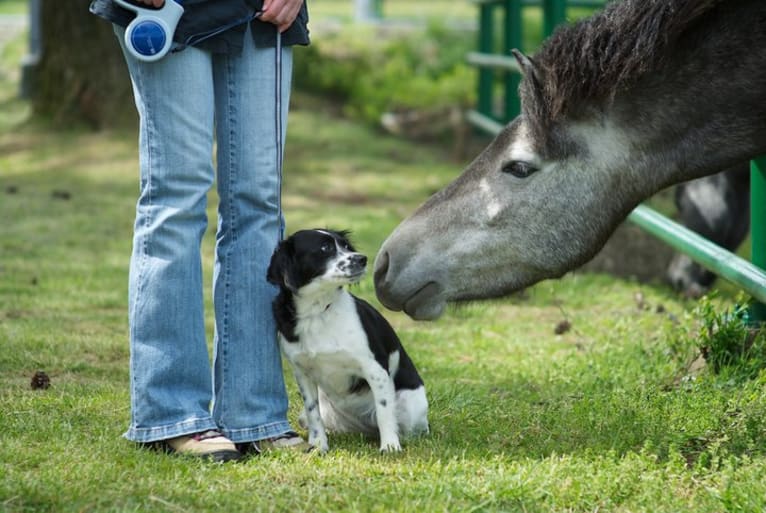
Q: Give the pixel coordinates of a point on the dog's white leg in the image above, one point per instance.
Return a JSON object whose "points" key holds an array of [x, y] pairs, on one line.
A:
{"points": [[383, 391], [412, 411], [310, 395]]}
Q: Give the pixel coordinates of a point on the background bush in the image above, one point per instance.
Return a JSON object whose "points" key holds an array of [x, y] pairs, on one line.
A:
{"points": [[372, 70]]}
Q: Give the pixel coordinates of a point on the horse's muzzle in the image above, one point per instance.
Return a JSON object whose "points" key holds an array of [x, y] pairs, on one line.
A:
{"points": [[421, 301]]}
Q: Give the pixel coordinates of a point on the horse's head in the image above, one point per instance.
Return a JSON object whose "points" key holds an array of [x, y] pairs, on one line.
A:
{"points": [[521, 212], [609, 116]]}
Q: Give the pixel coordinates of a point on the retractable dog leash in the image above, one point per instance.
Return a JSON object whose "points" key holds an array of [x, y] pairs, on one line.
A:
{"points": [[149, 36]]}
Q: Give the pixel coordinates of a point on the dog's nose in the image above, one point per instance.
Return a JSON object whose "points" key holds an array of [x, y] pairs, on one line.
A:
{"points": [[360, 260]]}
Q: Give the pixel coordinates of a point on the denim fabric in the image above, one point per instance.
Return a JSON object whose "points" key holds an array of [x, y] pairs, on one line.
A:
{"points": [[184, 100]]}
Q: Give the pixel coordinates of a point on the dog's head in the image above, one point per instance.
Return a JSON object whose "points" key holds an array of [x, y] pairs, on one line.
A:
{"points": [[318, 257]]}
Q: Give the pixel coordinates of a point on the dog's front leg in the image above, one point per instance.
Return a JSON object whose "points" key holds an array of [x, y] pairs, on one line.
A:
{"points": [[310, 394], [383, 391]]}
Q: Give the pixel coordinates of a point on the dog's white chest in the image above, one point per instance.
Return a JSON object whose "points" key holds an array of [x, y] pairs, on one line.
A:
{"points": [[332, 347]]}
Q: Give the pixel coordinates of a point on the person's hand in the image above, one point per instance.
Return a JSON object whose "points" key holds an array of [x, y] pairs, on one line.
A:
{"points": [[152, 3], [281, 13]]}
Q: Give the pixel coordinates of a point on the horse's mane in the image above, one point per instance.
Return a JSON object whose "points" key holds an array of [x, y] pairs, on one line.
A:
{"points": [[596, 57]]}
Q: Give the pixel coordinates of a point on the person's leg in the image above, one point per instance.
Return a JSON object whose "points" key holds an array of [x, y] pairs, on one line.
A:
{"points": [[170, 373], [250, 398]]}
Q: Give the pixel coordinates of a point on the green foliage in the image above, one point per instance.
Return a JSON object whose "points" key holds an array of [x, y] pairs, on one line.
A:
{"points": [[728, 342], [14, 7], [373, 72]]}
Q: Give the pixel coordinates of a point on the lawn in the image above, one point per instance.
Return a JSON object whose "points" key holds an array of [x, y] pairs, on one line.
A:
{"points": [[15, 7], [609, 415]]}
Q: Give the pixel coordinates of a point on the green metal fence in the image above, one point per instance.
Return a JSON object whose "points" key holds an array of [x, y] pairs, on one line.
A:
{"points": [[496, 63], [498, 72], [758, 228]]}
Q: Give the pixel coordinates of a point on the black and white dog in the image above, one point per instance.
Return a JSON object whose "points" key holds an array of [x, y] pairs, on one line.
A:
{"points": [[351, 368]]}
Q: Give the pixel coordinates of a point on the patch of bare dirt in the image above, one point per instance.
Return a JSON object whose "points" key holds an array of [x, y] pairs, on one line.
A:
{"points": [[632, 253]]}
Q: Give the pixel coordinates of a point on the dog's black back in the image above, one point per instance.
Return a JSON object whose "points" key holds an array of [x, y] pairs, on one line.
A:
{"points": [[383, 341]]}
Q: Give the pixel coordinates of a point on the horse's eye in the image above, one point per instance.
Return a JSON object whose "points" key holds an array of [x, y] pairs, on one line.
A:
{"points": [[519, 169]]}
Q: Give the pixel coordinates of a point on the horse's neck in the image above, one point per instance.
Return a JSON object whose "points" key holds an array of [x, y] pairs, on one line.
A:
{"points": [[706, 109]]}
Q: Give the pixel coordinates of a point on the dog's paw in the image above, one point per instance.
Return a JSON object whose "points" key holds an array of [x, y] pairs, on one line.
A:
{"points": [[320, 443], [321, 448], [390, 446]]}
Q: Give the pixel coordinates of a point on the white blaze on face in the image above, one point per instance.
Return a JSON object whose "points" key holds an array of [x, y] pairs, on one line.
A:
{"points": [[491, 204]]}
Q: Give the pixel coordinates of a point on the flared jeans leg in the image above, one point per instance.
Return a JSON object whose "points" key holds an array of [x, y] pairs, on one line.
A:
{"points": [[180, 99], [250, 398]]}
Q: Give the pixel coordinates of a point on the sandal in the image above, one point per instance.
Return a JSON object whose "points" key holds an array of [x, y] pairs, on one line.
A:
{"points": [[207, 444], [290, 440]]}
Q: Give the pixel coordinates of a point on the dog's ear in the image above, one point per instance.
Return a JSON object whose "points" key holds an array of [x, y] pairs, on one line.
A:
{"points": [[280, 265], [280, 259]]}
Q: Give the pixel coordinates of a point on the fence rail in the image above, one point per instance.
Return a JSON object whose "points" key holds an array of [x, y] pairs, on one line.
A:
{"points": [[725, 264]]}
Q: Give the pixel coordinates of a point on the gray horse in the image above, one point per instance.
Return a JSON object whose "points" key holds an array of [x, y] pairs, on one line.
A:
{"points": [[640, 96]]}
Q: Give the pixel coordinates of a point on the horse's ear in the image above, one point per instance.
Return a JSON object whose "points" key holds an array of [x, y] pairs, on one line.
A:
{"points": [[533, 75], [526, 64]]}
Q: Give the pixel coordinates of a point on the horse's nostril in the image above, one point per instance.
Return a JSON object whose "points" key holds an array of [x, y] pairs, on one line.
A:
{"points": [[381, 268]]}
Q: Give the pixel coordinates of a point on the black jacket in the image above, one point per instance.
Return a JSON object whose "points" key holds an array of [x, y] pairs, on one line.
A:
{"points": [[204, 16]]}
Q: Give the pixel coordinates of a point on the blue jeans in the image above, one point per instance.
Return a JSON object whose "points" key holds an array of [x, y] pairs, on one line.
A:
{"points": [[184, 101]]}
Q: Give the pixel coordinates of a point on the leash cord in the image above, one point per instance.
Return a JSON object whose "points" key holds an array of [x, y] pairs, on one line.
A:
{"points": [[278, 99], [278, 125]]}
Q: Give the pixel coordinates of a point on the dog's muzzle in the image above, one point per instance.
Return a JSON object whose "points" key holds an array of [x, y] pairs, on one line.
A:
{"points": [[354, 266]]}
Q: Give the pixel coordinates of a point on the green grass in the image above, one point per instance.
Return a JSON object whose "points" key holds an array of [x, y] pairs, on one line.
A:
{"points": [[441, 10], [608, 416], [13, 7]]}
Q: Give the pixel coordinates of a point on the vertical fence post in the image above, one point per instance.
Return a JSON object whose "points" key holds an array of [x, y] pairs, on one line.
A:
{"points": [[486, 44], [554, 14], [377, 7], [513, 39], [758, 227]]}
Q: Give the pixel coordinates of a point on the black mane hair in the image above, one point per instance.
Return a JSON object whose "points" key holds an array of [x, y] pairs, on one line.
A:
{"points": [[593, 59]]}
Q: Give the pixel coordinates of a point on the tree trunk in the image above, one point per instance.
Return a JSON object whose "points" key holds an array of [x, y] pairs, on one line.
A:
{"points": [[82, 75]]}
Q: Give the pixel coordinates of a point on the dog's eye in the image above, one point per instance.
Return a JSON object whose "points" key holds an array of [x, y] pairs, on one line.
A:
{"points": [[518, 168], [326, 248]]}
